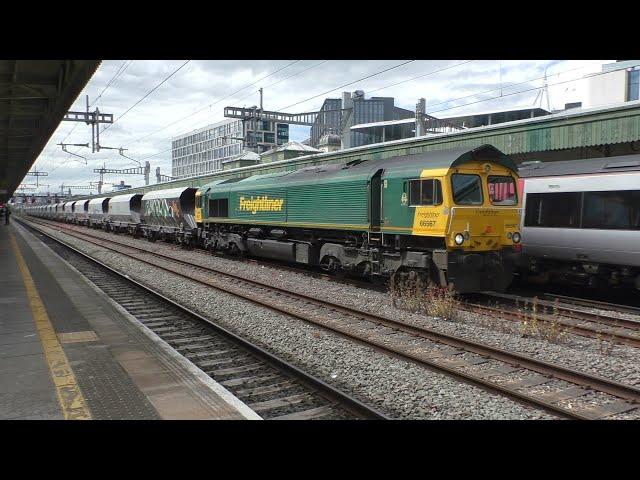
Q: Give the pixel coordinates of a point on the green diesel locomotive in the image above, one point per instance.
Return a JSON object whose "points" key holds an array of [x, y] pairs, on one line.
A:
{"points": [[451, 215]]}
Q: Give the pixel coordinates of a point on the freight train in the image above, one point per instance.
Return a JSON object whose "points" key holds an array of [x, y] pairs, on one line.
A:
{"points": [[581, 222], [451, 216]]}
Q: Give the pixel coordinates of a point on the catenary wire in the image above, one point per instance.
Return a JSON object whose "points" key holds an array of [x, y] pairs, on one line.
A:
{"points": [[286, 78], [420, 76], [346, 84], [147, 94], [112, 81], [350, 83], [513, 85], [211, 104], [518, 92]]}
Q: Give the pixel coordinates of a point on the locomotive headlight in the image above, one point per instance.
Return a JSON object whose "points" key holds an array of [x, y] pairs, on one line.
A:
{"points": [[516, 237], [459, 239]]}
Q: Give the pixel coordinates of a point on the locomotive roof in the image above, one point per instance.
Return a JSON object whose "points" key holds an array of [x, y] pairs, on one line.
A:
{"points": [[444, 158], [623, 163], [364, 169]]}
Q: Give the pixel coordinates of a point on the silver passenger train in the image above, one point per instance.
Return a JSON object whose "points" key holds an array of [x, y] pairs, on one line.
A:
{"points": [[581, 221]]}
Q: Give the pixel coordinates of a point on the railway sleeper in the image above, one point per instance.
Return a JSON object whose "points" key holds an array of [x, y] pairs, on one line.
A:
{"points": [[311, 414], [280, 402], [251, 380], [264, 390]]}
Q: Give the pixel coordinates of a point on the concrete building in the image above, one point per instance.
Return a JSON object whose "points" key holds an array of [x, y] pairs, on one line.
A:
{"points": [[329, 142], [120, 186], [206, 150], [289, 150], [244, 160], [202, 151], [620, 83]]}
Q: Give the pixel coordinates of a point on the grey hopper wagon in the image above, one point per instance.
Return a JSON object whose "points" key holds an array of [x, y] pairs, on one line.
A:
{"points": [[169, 214]]}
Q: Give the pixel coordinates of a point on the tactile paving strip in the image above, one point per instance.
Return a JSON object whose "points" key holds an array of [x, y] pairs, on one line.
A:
{"points": [[109, 391]]}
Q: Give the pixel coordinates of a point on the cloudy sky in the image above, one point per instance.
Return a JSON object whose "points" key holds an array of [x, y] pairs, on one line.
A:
{"points": [[196, 94]]}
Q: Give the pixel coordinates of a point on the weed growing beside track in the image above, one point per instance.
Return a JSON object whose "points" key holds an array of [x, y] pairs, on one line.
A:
{"points": [[414, 294]]}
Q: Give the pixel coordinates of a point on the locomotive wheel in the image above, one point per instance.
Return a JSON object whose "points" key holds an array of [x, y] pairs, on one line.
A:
{"points": [[330, 264]]}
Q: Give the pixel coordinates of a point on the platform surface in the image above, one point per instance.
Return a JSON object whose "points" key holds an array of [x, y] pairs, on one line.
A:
{"points": [[69, 352]]}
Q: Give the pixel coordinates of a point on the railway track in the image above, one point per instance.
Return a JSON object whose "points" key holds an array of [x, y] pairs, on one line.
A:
{"points": [[544, 385], [597, 304], [576, 320], [272, 387]]}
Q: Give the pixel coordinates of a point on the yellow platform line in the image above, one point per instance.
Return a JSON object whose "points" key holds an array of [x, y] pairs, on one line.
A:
{"points": [[70, 397]]}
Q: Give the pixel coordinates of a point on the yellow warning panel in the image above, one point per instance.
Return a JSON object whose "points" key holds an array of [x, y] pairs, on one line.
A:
{"points": [[69, 395]]}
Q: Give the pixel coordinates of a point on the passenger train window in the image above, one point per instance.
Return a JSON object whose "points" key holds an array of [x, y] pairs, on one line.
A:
{"points": [[502, 190], [467, 189], [619, 210], [553, 210], [425, 192]]}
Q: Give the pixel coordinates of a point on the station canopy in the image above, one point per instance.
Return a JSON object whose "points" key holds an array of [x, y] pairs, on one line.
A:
{"points": [[34, 97]]}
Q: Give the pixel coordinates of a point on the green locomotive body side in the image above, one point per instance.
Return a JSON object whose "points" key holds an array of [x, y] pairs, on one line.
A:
{"points": [[320, 199]]}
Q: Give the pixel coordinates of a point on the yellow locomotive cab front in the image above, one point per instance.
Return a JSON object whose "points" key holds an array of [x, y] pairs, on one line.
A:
{"points": [[485, 208], [476, 213]]}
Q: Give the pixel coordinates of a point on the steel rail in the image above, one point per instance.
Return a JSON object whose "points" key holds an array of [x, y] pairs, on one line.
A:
{"points": [[583, 330], [350, 402], [610, 387], [587, 302], [571, 312]]}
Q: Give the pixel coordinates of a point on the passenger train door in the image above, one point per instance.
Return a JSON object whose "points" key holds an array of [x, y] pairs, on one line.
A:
{"points": [[375, 204]]}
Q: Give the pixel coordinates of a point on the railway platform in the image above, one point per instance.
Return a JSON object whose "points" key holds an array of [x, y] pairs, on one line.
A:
{"points": [[68, 352]]}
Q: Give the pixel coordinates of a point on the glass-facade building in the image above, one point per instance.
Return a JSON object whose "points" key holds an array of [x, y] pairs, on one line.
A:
{"points": [[370, 110], [360, 110], [633, 84], [203, 151]]}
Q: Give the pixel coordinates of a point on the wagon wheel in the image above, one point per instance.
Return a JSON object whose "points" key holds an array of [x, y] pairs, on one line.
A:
{"points": [[234, 250]]}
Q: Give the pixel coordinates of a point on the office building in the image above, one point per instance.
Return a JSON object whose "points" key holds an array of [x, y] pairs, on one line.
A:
{"points": [[617, 83], [205, 150]]}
